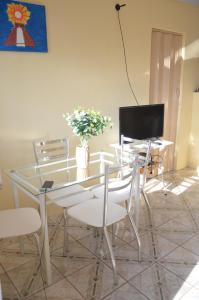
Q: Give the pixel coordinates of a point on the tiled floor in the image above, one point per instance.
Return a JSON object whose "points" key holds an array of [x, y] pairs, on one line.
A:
{"points": [[169, 268]]}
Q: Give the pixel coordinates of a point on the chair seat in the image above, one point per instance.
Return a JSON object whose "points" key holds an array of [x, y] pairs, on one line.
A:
{"points": [[69, 196], [91, 212], [119, 196], [20, 221]]}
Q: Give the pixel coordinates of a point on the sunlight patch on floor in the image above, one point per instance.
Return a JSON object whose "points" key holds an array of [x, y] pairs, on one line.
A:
{"points": [[154, 185], [192, 277]]}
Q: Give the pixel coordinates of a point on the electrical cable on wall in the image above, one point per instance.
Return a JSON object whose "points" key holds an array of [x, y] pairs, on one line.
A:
{"points": [[118, 7]]}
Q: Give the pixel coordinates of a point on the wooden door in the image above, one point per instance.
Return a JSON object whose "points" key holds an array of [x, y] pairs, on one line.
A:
{"points": [[165, 75]]}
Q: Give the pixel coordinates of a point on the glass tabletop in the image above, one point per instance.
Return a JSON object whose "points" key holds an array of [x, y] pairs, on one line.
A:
{"points": [[63, 173]]}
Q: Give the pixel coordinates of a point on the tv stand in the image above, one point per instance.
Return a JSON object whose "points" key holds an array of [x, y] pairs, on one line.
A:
{"points": [[158, 151]]}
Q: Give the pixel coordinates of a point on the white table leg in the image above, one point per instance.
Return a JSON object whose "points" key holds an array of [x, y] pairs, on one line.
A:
{"points": [[17, 205], [137, 198], [45, 238]]}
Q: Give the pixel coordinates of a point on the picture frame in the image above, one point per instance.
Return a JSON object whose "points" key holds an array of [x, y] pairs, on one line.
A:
{"points": [[22, 27]]}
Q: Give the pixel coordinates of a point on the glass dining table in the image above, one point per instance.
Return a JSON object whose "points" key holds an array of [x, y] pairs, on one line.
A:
{"points": [[64, 173]]}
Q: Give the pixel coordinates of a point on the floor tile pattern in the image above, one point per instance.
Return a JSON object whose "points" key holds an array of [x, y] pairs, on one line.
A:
{"points": [[169, 266]]}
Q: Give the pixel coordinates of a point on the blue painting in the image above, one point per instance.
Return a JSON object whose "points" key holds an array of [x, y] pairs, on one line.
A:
{"points": [[22, 27]]}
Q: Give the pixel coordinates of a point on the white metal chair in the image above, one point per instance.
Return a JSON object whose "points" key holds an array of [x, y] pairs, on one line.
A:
{"points": [[102, 212], [66, 198], [135, 148], [20, 222], [143, 149], [47, 151], [50, 150], [117, 196]]}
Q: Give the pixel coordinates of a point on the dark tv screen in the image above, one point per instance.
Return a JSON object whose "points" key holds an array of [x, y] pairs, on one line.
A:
{"points": [[142, 122]]}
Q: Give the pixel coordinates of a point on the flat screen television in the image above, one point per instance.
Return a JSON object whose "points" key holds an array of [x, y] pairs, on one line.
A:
{"points": [[142, 122]]}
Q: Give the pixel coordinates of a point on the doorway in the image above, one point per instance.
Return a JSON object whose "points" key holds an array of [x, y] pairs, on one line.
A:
{"points": [[165, 78]]}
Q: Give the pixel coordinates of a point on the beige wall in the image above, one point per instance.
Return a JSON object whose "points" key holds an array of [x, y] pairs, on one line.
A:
{"points": [[85, 67], [194, 134]]}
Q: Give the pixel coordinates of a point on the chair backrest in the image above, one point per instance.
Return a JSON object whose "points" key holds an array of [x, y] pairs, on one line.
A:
{"points": [[125, 184], [142, 148], [50, 150]]}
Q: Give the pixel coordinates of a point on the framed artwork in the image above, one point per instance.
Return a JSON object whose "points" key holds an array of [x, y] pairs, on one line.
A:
{"points": [[22, 27]]}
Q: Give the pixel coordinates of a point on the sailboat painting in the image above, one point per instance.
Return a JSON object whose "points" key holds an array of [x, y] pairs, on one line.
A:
{"points": [[22, 27]]}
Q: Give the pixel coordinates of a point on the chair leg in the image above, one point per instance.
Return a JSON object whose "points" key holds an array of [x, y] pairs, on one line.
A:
{"points": [[100, 237], [115, 278], [136, 234], [66, 239], [163, 183], [96, 233], [21, 245], [33, 272], [39, 249], [113, 234], [36, 236], [146, 200], [57, 225]]}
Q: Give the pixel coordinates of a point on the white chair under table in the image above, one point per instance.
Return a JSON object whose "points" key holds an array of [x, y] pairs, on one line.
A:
{"points": [[20, 222], [103, 212], [50, 151], [71, 196], [143, 148], [127, 155]]}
